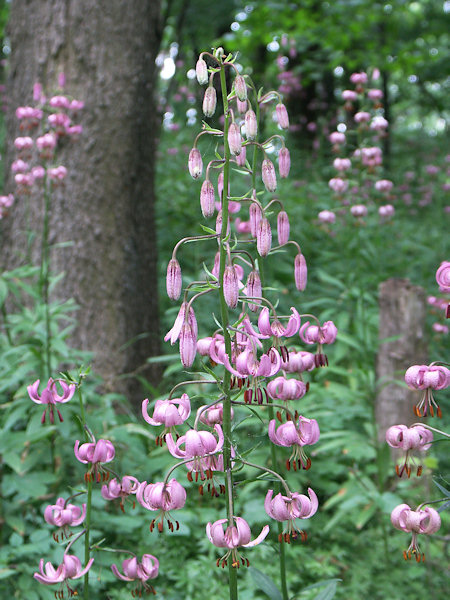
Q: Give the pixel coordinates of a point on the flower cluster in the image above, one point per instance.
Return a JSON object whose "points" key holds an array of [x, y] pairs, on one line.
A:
{"points": [[42, 128], [358, 181], [426, 378], [258, 355]]}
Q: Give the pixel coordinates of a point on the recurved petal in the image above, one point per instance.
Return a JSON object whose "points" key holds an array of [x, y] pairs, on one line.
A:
{"points": [[262, 536]]}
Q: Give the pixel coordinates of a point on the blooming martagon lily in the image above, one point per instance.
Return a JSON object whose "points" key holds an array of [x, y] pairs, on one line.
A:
{"points": [[200, 446], [303, 432], [95, 454], [63, 515], [425, 520], [315, 334], [168, 413], [120, 489], [232, 537], [406, 438], [50, 396], [162, 496], [142, 571], [70, 568], [289, 508], [427, 378]]}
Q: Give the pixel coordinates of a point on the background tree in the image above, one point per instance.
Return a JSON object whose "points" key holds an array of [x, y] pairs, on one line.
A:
{"points": [[106, 206]]}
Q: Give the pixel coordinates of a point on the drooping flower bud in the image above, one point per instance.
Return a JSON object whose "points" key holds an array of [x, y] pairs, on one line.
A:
{"points": [[284, 162], [282, 116], [241, 106], [207, 198], [195, 163], [283, 227], [201, 70], [240, 158], [264, 237], [268, 175], [188, 345], [234, 139], [251, 126], [240, 87], [173, 279], [253, 289], [209, 101], [255, 217], [230, 286], [219, 223], [300, 272]]}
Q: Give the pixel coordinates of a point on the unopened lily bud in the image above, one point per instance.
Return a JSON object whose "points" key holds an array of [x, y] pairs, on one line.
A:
{"points": [[173, 279], [264, 237], [240, 87], [300, 272], [201, 70], [268, 175], [195, 163], [255, 217], [241, 106], [284, 162], [188, 345], [240, 158], [230, 286], [234, 139], [254, 289], [283, 227], [219, 223], [282, 116], [209, 101], [251, 126], [207, 198]]}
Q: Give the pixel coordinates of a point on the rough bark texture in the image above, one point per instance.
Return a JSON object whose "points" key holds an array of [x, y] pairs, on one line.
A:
{"points": [[402, 313], [107, 51]]}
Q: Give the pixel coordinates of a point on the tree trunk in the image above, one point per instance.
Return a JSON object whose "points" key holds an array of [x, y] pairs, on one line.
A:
{"points": [[107, 51], [402, 314]]}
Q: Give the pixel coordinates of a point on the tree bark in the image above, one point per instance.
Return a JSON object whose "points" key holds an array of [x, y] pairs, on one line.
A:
{"points": [[107, 51], [402, 314]]}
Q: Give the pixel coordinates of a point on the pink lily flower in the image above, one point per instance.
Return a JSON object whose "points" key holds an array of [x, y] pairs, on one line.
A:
{"points": [[144, 570], [63, 515], [50, 396], [443, 277], [175, 332], [409, 438], [275, 328], [281, 388], [298, 362], [425, 520], [168, 413], [163, 497], [198, 445], [213, 415], [95, 453], [427, 378], [70, 568], [120, 489], [313, 334], [232, 537], [305, 432], [289, 508]]}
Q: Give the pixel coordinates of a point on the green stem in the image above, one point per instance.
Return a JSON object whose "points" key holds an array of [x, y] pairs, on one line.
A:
{"points": [[87, 550], [232, 580], [273, 454], [44, 276]]}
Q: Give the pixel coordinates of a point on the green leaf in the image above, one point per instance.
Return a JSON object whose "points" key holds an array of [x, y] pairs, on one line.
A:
{"points": [[264, 583], [4, 573]]}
